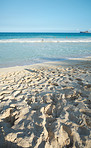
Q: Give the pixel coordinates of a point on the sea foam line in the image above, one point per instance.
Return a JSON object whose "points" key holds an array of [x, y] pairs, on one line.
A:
{"points": [[44, 40]]}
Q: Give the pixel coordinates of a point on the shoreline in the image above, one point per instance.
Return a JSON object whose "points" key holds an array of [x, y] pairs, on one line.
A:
{"points": [[46, 105], [66, 62]]}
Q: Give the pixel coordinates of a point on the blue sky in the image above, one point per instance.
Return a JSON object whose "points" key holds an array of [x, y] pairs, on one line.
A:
{"points": [[45, 15]]}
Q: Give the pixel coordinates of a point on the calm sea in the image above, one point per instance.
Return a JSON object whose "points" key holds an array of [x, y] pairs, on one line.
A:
{"points": [[29, 48]]}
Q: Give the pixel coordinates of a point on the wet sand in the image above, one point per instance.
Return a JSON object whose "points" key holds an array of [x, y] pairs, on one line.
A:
{"points": [[46, 105]]}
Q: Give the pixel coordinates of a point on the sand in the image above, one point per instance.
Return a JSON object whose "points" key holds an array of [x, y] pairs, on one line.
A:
{"points": [[46, 105]]}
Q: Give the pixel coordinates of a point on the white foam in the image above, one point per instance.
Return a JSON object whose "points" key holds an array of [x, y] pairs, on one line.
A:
{"points": [[44, 40]]}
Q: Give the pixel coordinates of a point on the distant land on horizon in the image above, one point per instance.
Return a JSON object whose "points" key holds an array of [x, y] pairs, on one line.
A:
{"points": [[84, 32]]}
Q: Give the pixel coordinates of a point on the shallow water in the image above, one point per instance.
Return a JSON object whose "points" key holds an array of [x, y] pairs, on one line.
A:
{"points": [[29, 48]]}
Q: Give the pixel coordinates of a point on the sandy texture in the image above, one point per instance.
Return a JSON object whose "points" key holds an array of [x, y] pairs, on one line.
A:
{"points": [[46, 106]]}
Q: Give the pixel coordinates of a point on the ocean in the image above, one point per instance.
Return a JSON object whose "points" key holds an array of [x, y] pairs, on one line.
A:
{"points": [[17, 49]]}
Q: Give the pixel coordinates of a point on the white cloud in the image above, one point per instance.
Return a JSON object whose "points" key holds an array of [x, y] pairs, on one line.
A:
{"points": [[77, 29]]}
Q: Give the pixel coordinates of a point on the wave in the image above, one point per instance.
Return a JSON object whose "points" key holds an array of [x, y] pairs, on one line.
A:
{"points": [[44, 40]]}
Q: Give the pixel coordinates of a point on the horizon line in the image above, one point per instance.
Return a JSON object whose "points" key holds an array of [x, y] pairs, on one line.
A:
{"points": [[35, 32]]}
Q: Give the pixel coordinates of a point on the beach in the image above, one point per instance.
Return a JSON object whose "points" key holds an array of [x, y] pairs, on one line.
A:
{"points": [[46, 105]]}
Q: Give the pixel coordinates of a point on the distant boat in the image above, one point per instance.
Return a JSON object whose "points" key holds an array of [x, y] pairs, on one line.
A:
{"points": [[84, 32]]}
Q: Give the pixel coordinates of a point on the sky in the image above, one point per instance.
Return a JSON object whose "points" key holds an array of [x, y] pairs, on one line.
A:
{"points": [[45, 15]]}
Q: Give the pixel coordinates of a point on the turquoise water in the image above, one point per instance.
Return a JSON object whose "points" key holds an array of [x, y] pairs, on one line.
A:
{"points": [[29, 48]]}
